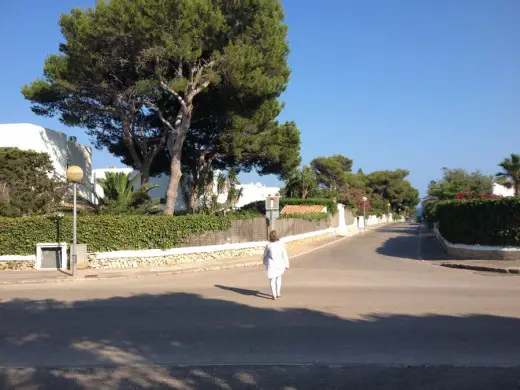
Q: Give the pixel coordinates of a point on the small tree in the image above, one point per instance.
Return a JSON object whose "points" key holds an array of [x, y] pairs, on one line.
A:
{"points": [[510, 176], [122, 194], [28, 183]]}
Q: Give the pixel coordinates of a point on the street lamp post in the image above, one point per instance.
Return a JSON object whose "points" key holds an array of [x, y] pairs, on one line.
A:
{"points": [[364, 212], [388, 212], [74, 175]]}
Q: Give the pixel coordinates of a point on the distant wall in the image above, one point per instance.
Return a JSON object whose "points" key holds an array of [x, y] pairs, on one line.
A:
{"points": [[349, 217], [256, 230]]}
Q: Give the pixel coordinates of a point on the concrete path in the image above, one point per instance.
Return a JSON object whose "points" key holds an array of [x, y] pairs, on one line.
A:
{"points": [[367, 300]]}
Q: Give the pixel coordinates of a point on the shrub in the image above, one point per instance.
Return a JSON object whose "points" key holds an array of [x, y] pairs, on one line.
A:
{"points": [[28, 183], [480, 221], [18, 236], [306, 216], [259, 206]]}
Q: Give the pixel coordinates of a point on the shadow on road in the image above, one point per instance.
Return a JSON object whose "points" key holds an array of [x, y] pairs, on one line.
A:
{"points": [[411, 245], [243, 291], [148, 332]]}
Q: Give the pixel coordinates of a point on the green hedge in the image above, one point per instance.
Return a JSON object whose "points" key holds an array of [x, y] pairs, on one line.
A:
{"points": [[259, 206], [306, 216], [481, 221], [18, 236]]}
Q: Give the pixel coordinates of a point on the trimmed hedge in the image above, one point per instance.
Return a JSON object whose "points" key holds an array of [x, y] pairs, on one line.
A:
{"points": [[306, 216], [104, 233], [259, 206], [493, 222]]}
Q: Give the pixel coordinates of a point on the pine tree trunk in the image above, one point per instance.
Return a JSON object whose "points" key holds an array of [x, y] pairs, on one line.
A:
{"points": [[175, 166], [145, 172]]}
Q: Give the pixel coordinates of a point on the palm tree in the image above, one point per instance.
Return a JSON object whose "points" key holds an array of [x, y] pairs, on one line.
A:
{"points": [[510, 176], [122, 196]]}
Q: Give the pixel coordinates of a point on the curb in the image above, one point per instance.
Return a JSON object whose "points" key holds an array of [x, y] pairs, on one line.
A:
{"points": [[245, 264], [482, 268]]}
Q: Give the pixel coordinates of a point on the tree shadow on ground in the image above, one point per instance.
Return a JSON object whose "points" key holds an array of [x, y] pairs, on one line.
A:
{"points": [[135, 342], [410, 245], [401, 229]]}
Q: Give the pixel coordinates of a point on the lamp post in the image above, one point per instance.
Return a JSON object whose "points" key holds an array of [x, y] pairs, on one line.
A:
{"points": [[364, 212], [74, 175], [388, 211]]}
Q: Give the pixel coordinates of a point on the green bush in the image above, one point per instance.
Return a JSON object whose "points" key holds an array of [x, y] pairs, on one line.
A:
{"points": [[306, 216], [480, 221], [101, 233], [259, 206]]}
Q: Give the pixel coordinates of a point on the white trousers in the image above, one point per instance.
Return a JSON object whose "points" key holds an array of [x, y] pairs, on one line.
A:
{"points": [[276, 286]]}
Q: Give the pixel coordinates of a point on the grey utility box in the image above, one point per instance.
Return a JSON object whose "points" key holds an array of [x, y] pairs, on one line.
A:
{"points": [[51, 256]]}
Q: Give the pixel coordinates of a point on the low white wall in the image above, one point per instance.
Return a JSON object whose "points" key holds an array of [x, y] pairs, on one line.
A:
{"points": [[201, 249]]}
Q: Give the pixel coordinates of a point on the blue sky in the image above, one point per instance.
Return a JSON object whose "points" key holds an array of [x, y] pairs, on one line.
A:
{"points": [[414, 84]]}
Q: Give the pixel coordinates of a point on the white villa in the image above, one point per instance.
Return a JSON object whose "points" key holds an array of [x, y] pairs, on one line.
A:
{"points": [[501, 190], [62, 150]]}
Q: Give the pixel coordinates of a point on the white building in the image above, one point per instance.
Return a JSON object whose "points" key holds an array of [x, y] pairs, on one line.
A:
{"points": [[500, 190], [62, 150], [255, 192], [250, 192]]}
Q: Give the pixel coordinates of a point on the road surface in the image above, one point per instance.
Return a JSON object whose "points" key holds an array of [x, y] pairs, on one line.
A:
{"points": [[364, 301]]}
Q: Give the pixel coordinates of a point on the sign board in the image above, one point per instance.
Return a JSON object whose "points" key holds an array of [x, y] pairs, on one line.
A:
{"points": [[272, 215], [272, 203]]}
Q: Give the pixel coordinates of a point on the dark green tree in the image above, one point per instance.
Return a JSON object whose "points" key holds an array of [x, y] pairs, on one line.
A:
{"points": [[125, 64], [392, 187], [331, 172], [28, 183]]}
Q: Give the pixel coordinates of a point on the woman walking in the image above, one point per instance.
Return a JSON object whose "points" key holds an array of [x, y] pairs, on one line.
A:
{"points": [[276, 262]]}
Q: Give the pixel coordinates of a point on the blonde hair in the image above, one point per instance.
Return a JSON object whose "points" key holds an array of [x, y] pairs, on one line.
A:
{"points": [[273, 236]]}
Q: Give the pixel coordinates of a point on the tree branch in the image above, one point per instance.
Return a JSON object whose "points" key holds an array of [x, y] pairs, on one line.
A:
{"points": [[174, 93]]}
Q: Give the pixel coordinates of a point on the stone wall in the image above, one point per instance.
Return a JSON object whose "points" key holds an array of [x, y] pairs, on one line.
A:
{"points": [[18, 265], [190, 258]]}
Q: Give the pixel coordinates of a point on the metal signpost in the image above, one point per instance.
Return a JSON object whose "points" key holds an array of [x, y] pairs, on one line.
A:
{"points": [[272, 210]]}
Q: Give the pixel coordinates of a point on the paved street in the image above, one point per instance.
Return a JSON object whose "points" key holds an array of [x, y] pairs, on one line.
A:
{"points": [[366, 300]]}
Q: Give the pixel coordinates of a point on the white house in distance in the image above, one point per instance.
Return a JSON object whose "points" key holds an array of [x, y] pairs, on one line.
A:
{"points": [[501, 190], [62, 150]]}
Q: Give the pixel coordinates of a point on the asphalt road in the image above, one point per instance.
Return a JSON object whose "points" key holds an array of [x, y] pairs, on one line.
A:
{"points": [[365, 301]]}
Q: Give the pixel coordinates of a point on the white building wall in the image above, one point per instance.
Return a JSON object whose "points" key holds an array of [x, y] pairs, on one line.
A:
{"points": [[59, 146], [255, 192], [501, 190]]}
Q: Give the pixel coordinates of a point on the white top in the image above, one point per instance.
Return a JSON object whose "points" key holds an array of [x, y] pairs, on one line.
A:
{"points": [[276, 259]]}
